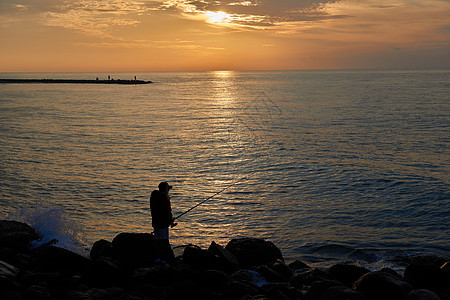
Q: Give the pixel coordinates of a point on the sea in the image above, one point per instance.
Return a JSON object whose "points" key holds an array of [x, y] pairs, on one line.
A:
{"points": [[332, 166]]}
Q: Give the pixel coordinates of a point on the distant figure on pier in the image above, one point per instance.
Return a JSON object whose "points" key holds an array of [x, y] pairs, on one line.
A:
{"points": [[134, 78], [161, 220], [109, 77]]}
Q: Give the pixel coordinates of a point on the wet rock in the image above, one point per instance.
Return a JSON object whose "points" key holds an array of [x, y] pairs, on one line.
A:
{"points": [[422, 295], [199, 258], [270, 274], [298, 265], [254, 252], [9, 295], [392, 272], [8, 270], [190, 290], [307, 277], [446, 266], [101, 248], [237, 289], [319, 287], [284, 270], [158, 275], [8, 284], [281, 291], [381, 285], [347, 274], [434, 260], [226, 261], [16, 235], [342, 293], [37, 292], [51, 258], [213, 280], [242, 275]]}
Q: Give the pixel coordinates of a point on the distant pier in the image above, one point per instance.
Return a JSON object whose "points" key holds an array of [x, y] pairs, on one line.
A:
{"points": [[77, 81]]}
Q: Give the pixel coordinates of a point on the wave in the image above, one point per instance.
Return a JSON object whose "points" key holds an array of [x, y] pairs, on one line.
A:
{"points": [[52, 225]]}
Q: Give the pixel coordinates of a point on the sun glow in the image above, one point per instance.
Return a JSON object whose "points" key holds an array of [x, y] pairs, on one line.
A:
{"points": [[218, 17]]}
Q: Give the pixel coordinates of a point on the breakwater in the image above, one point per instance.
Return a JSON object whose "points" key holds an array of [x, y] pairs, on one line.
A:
{"points": [[76, 81], [246, 268]]}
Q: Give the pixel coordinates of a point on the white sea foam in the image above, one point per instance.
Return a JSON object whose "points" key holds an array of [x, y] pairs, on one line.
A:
{"points": [[52, 224]]}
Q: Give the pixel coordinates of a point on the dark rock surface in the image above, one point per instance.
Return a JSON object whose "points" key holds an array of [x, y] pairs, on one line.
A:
{"points": [[254, 252], [125, 269]]}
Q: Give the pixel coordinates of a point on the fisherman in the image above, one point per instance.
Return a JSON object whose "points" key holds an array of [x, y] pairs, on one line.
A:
{"points": [[161, 220]]}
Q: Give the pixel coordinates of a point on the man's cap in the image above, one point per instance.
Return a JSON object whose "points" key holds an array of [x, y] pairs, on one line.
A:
{"points": [[163, 185]]}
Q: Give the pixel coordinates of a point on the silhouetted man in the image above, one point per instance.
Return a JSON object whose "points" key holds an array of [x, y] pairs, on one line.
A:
{"points": [[161, 220]]}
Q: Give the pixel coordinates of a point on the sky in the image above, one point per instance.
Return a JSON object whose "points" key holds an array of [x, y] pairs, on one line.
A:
{"points": [[202, 35]]}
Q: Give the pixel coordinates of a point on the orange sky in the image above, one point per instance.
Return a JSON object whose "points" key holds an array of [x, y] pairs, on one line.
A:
{"points": [[172, 35]]}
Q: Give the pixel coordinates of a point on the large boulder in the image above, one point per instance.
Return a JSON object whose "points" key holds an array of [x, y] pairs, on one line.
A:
{"points": [[430, 277], [134, 249], [101, 248], [16, 235], [347, 274], [342, 293], [104, 272], [381, 285], [199, 258], [55, 259], [226, 261], [422, 295], [252, 252]]}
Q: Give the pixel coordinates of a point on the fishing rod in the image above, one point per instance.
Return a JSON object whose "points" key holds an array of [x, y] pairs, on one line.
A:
{"points": [[209, 198]]}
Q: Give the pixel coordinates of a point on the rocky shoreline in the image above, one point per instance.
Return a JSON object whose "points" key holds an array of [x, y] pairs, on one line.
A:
{"points": [[247, 268]]}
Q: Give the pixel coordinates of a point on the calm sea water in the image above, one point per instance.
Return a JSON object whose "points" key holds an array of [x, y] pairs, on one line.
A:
{"points": [[339, 165]]}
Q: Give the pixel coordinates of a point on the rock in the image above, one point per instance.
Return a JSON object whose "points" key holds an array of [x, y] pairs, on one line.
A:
{"points": [[199, 258], [37, 292], [104, 272], [8, 270], [237, 289], [101, 248], [16, 235], [347, 274], [227, 261], [190, 290], [10, 295], [280, 291], [446, 266], [159, 275], [281, 268], [306, 277], [30, 278], [298, 265], [8, 284], [254, 252], [429, 277], [213, 279], [429, 259], [242, 275], [56, 259], [134, 249], [342, 293], [392, 272], [270, 274], [319, 287], [422, 295], [380, 285]]}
